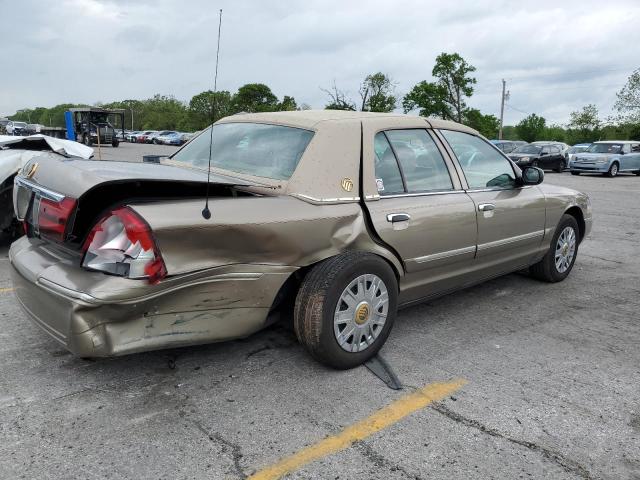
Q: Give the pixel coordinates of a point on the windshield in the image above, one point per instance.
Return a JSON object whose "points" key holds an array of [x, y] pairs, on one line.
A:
{"points": [[528, 149], [271, 151], [605, 148], [19, 124]]}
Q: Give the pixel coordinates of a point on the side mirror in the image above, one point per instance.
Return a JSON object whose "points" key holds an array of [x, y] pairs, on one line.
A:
{"points": [[532, 176]]}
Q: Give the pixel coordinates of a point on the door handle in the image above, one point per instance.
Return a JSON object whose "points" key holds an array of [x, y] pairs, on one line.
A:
{"points": [[398, 217], [486, 207]]}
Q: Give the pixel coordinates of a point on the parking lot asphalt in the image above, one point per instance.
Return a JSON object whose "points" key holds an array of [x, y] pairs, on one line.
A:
{"points": [[533, 380]]}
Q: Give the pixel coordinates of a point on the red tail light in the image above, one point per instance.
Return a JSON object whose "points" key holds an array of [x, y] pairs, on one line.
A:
{"points": [[53, 217], [122, 243]]}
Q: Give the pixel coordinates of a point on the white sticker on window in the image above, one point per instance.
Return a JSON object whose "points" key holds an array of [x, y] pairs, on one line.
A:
{"points": [[380, 184]]}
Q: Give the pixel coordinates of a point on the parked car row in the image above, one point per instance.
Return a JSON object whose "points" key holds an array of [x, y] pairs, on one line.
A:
{"points": [[606, 157], [161, 137]]}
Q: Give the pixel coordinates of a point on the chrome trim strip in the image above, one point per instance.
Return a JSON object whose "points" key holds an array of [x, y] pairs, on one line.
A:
{"points": [[442, 255], [325, 200], [43, 192], [497, 189], [422, 194], [507, 241]]}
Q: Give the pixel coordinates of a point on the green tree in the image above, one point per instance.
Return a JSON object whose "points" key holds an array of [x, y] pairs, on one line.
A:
{"points": [[555, 133], [487, 125], [531, 128], [376, 93], [287, 104], [446, 97], [584, 125], [509, 133], [628, 99], [254, 97], [208, 107]]}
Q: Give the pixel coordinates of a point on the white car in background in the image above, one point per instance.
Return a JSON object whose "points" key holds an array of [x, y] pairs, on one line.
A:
{"points": [[15, 153], [15, 128]]}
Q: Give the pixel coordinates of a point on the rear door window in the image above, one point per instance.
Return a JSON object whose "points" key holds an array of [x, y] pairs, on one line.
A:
{"points": [[420, 161], [388, 177]]}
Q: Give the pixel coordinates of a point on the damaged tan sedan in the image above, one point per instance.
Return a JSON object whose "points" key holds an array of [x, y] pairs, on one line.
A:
{"points": [[334, 218]]}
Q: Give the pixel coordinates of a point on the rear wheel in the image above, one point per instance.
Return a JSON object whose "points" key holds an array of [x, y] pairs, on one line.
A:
{"points": [[345, 309], [115, 143], [637, 172], [556, 265], [613, 170], [86, 139], [535, 163], [575, 173]]}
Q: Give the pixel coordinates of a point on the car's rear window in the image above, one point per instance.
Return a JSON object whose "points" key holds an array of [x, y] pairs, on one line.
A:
{"points": [[263, 150]]}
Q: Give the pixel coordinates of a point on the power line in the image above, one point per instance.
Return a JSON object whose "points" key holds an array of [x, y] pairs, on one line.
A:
{"points": [[516, 109]]}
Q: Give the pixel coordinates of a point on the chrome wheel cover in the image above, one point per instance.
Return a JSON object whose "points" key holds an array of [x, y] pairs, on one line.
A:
{"points": [[361, 313], [565, 249], [614, 169]]}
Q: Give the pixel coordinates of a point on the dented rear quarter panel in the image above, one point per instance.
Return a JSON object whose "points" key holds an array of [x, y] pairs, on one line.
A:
{"points": [[275, 230]]}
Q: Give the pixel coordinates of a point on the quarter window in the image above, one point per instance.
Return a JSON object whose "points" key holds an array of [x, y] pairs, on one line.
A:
{"points": [[482, 165], [388, 178]]}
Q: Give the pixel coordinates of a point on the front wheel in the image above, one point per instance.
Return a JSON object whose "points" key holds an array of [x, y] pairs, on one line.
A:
{"points": [[535, 163], [87, 140], [561, 166], [556, 265], [575, 173], [115, 142], [613, 170], [345, 309]]}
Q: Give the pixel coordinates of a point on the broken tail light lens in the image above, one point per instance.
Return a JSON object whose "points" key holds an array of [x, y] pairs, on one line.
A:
{"points": [[122, 244], [53, 217]]}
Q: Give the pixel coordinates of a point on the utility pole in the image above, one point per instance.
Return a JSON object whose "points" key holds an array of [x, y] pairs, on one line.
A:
{"points": [[131, 118], [505, 97]]}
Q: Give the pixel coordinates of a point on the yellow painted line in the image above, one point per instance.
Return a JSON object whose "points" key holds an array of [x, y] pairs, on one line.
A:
{"points": [[379, 420], [6, 290]]}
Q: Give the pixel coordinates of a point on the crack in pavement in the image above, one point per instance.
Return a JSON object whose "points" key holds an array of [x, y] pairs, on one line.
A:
{"points": [[236, 450], [380, 460], [568, 465]]}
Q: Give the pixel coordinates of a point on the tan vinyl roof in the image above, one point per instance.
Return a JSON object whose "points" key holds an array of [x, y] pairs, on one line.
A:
{"points": [[310, 118]]}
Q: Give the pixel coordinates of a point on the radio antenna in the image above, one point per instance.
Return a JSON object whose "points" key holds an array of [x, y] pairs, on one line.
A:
{"points": [[206, 213]]}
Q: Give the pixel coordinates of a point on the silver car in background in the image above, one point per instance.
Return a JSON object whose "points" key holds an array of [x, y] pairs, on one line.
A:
{"points": [[608, 158]]}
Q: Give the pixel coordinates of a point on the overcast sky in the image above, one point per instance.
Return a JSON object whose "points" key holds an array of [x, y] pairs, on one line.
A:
{"points": [[555, 55]]}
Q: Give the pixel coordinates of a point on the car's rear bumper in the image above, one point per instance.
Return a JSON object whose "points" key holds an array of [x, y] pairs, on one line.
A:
{"points": [[96, 315]]}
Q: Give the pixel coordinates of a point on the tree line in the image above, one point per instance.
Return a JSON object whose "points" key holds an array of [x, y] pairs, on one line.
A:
{"points": [[446, 97]]}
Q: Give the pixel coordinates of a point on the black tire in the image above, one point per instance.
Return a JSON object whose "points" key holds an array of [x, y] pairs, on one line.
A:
{"points": [[86, 139], [154, 141], [115, 143], [637, 172], [535, 163], [318, 297], [546, 269], [575, 173], [613, 170], [561, 166]]}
